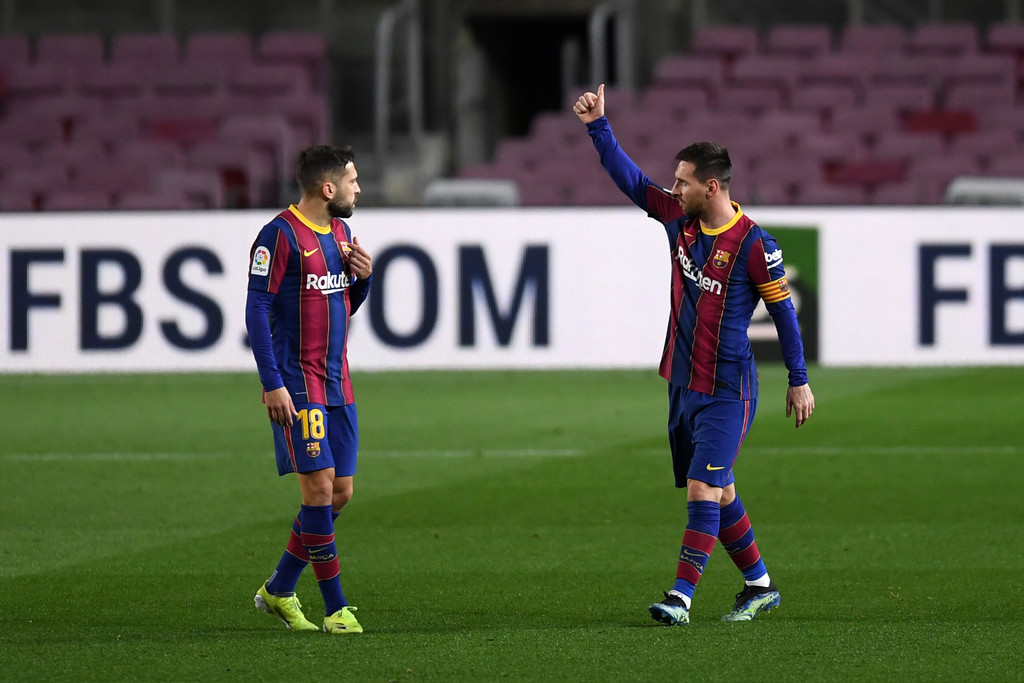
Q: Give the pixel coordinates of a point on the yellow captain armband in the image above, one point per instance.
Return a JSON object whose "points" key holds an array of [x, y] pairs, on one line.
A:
{"points": [[774, 291]]}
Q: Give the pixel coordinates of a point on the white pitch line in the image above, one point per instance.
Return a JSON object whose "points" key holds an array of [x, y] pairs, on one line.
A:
{"points": [[487, 453], [543, 453]]}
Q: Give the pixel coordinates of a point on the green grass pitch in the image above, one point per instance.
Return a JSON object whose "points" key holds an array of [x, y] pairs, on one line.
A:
{"points": [[512, 525]]}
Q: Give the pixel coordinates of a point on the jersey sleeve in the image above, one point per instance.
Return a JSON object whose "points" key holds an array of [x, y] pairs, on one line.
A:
{"points": [[627, 176], [257, 324], [268, 259], [766, 270]]}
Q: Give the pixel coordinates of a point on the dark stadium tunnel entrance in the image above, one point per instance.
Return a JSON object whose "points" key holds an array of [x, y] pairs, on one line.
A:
{"points": [[524, 56]]}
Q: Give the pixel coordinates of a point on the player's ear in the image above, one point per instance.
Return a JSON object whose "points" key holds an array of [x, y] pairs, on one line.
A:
{"points": [[328, 190]]}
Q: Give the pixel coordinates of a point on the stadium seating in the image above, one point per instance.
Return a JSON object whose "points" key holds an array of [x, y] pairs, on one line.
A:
{"points": [[166, 96], [884, 114]]}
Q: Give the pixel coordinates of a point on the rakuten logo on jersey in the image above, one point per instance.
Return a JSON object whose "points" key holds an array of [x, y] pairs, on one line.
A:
{"points": [[330, 283], [694, 273]]}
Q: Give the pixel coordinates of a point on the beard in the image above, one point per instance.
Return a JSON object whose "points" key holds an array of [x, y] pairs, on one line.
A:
{"points": [[339, 210]]}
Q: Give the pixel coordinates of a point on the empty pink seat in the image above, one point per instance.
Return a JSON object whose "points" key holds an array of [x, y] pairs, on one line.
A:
{"points": [[829, 194], [823, 98], [268, 80], [802, 40], [14, 51], [876, 39], [690, 74], [307, 49], [897, 145], [202, 189], [89, 153], [980, 68], [726, 41], [31, 129], [111, 177], [793, 169], [77, 200], [832, 146], [904, 70], [228, 48], [985, 146], [151, 200], [910, 192], [108, 128], [27, 81], [943, 122], [17, 199], [1010, 116], [901, 96], [196, 78], [848, 69], [114, 82], [787, 124], [246, 177], [1006, 39], [964, 95], [1011, 165], [949, 38], [943, 168], [750, 98], [150, 50], [758, 71], [676, 101], [867, 121], [14, 155], [769, 193], [80, 50], [308, 115]]}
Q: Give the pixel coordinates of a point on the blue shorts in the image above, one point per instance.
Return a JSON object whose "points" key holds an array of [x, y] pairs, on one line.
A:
{"points": [[319, 438], [705, 434]]}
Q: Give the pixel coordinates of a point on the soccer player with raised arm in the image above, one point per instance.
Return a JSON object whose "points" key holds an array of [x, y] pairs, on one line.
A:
{"points": [[722, 264], [307, 276]]}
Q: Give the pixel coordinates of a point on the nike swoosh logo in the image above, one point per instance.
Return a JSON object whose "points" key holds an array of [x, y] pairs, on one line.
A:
{"points": [[310, 253], [712, 469]]}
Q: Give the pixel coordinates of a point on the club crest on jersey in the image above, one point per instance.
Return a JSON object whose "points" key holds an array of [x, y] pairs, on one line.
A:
{"points": [[260, 261], [692, 272], [329, 283], [313, 449], [721, 258]]}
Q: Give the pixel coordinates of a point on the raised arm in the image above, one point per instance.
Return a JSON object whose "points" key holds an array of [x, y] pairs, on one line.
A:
{"points": [[627, 176]]}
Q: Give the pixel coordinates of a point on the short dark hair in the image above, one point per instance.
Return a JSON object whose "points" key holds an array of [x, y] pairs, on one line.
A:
{"points": [[710, 160], [318, 162]]}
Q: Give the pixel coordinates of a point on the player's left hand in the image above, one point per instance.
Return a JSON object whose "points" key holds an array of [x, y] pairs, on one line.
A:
{"points": [[360, 262], [800, 400]]}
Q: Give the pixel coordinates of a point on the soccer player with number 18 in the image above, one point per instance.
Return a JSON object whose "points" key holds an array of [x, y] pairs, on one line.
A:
{"points": [[307, 276]]}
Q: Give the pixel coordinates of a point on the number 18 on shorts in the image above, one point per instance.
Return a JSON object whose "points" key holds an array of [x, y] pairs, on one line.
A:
{"points": [[320, 437]]}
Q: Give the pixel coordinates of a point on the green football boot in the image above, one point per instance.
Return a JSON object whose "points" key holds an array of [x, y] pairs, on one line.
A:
{"points": [[286, 608]]}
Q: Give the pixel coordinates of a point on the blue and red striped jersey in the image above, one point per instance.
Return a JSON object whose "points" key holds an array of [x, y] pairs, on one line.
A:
{"points": [[718, 276], [304, 267]]}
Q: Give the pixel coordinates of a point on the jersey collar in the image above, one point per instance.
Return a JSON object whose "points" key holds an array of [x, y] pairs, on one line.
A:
{"points": [[323, 230], [718, 231]]}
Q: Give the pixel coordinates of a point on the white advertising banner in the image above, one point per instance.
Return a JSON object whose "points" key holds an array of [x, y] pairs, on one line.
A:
{"points": [[922, 287], [452, 289], [502, 288]]}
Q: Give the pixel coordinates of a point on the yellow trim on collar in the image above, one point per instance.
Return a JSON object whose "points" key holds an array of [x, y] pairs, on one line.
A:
{"points": [[718, 231], [323, 230]]}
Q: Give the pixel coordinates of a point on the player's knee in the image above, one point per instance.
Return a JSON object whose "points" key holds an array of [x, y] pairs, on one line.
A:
{"points": [[341, 500], [342, 495]]}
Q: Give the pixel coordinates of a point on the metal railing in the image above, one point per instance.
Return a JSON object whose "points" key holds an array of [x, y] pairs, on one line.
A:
{"points": [[623, 12], [386, 104]]}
